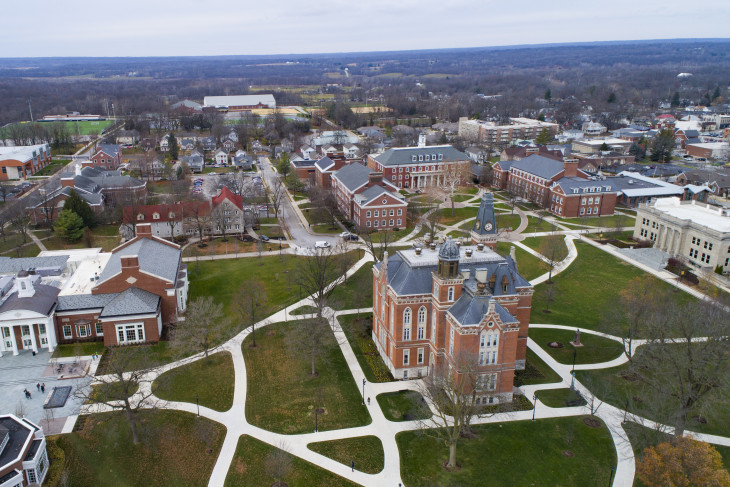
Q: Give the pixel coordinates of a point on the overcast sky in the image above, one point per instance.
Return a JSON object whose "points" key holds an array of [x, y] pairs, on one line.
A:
{"points": [[32, 28]]}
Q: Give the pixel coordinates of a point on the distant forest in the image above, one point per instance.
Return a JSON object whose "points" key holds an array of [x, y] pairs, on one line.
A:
{"points": [[614, 79]]}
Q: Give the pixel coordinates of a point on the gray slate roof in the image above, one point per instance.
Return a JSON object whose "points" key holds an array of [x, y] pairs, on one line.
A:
{"points": [[373, 193], [540, 166], [353, 176], [584, 186], [324, 163], [12, 265], [133, 301], [469, 309], [109, 149], [485, 215], [155, 258], [404, 155], [77, 302], [41, 302]]}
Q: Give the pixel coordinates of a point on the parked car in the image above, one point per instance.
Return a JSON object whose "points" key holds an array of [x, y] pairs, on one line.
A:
{"points": [[321, 244], [348, 236], [263, 238]]}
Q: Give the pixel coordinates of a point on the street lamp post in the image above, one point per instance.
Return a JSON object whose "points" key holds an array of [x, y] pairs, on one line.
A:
{"points": [[572, 372], [197, 403], [534, 404], [363, 390]]}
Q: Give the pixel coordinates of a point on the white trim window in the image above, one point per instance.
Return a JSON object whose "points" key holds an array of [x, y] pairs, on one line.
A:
{"points": [[67, 333], [450, 294], [422, 315], [130, 333], [419, 356], [406, 357], [407, 317], [99, 330], [406, 333]]}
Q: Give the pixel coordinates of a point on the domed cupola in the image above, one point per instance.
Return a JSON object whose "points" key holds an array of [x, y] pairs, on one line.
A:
{"points": [[449, 260]]}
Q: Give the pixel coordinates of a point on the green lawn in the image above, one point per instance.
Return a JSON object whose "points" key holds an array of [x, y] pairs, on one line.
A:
{"points": [[304, 310], [616, 386], [81, 349], [366, 451], [176, 449], [392, 235], [595, 348], [534, 224], [534, 244], [282, 396], [212, 381], [403, 406], [325, 228], [106, 243], [84, 127], [601, 221], [53, 167], [271, 231], [505, 220], [491, 457], [535, 372], [357, 292], [249, 468], [459, 214], [221, 279], [528, 265], [578, 304], [472, 190], [358, 329], [463, 197], [157, 354], [560, 398]]}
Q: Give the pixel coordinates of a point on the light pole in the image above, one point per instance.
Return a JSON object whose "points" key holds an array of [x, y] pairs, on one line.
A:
{"points": [[197, 403], [534, 404], [572, 372], [363, 390], [610, 480]]}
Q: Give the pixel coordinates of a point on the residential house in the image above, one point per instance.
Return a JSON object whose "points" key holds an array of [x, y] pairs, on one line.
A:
{"points": [[242, 161], [187, 144], [228, 145], [307, 152], [148, 143], [165, 143], [476, 154], [717, 181], [127, 137], [194, 161], [208, 143], [221, 157], [351, 151], [108, 156]]}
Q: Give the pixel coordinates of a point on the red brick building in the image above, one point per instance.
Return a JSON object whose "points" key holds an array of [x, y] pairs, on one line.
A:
{"points": [[417, 167], [366, 199], [108, 156], [432, 306], [19, 162], [23, 455], [325, 167]]}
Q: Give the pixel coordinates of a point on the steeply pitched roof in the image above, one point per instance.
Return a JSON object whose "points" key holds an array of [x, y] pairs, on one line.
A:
{"points": [[469, 309], [109, 149], [404, 155], [353, 175], [374, 192], [324, 163], [155, 257], [540, 166], [77, 302], [41, 302], [226, 193]]}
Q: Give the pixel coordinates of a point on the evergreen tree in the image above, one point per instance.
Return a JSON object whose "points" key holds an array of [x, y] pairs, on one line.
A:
{"points": [[173, 147], [662, 146], [548, 94], [611, 98], [604, 147], [69, 226], [716, 94], [78, 205], [544, 137], [675, 99]]}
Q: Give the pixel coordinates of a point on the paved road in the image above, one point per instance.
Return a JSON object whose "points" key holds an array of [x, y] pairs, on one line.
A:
{"points": [[299, 233]]}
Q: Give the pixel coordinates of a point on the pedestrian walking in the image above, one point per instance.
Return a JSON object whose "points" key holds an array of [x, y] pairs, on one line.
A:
{"points": [[43, 387], [352, 465], [368, 401], [38, 386], [25, 391], [29, 395]]}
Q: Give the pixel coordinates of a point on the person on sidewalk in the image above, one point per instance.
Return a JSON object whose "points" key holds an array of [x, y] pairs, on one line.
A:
{"points": [[38, 386], [43, 387], [352, 465]]}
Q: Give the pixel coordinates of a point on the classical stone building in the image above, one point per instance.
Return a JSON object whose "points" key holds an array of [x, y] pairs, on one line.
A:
{"points": [[434, 305]]}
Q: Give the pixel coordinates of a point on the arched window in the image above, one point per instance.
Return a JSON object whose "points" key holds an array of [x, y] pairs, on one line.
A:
{"points": [[407, 316], [433, 327], [451, 294], [422, 315]]}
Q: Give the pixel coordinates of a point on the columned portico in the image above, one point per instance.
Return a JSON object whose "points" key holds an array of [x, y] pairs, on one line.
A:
{"points": [[31, 332]]}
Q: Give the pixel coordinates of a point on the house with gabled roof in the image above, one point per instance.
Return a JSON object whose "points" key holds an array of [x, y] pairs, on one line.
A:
{"points": [[194, 161], [108, 156], [366, 199]]}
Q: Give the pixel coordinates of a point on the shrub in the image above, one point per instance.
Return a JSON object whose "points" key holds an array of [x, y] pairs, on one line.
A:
{"points": [[57, 460]]}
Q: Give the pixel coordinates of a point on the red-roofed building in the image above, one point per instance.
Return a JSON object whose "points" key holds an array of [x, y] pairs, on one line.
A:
{"points": [[227, 194]]}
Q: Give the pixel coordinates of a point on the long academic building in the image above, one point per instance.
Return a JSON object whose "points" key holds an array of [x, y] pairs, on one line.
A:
{"points": [[434, 306]]}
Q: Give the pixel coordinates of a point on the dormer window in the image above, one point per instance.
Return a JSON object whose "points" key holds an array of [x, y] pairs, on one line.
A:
{"points": [[428, 158], [433, 157], [155, 216], [171, 215], [420, 158], [140, 217], [413, 158], [441, 157]]}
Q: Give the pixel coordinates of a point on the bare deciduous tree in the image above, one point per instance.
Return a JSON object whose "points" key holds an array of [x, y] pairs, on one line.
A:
{"points": [[453, 176], [552, 248], [251, 304], [203, 330]]}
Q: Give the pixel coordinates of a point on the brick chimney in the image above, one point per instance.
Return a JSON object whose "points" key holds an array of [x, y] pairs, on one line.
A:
{"points": [[375, 179], [143, 229], [570, 166], [531, 150], [130, 262], [67, 182]]}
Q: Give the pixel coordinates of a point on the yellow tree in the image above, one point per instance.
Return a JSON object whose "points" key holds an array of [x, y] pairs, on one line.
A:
{"points": [[683, 462]]}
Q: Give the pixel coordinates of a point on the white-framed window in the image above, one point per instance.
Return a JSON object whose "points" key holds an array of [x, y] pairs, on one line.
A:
{"points": [[419, 356], [399, 221], [155, 216], [422, 315], [406, 333], [99, 330], [450, 294], [407, 316], [67, 332], [400, 212], [83, 331], [41, 328], [367, 214], [376, 213], [130, 333], [451, 340], [406, 357]]}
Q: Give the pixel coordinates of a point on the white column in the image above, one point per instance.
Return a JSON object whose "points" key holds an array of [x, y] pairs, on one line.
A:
{"points": [[12, 338], [51, 334], [33, 343]]}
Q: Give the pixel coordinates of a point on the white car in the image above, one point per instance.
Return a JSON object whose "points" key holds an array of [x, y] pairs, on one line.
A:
{"points": [[321, 244]]}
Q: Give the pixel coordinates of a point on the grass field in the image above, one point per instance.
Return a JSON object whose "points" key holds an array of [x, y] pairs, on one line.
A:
{"points": [[86, 127], [463, 197], [541, 445], [403, 406], [536, 372], [249, 468], [282, 395], [217, 246], [53, 167], [585, 306], [601, 221], [528, 265], [176, 449], [534, 244], [536, 225], [156, 354], [459, 214], [595, 348], [365, 451], [505, 220], [357, 292], [560, 398], [357, 329], [212, 382], [81, 349]]}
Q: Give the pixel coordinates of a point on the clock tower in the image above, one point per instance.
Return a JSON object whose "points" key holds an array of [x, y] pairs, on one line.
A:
{"points": [[485, 226]]}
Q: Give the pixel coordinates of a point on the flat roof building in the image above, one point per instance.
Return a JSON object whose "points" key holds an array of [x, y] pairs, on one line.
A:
{"points": [[240, 102], [502, 134]]}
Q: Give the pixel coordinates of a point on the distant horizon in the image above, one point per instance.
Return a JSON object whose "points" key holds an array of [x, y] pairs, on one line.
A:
{"points": [[140, 28], [443, 49]]}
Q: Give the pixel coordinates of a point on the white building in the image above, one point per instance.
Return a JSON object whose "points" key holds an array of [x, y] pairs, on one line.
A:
{"points": [[240, 102], [697, 232]]}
